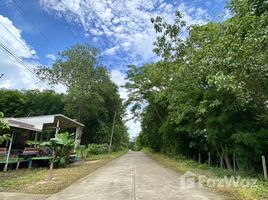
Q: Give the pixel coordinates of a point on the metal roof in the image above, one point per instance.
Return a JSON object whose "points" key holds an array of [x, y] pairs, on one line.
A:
{"points": [[39, 123], [13, 122]]}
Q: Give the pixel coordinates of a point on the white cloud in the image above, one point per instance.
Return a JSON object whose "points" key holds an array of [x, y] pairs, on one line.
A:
{"points": [[17, 76], [118, 78], [127, 27], [110, 51], [126, 24], [226, 14], [51, 56], [17, 45], [134, 127]]}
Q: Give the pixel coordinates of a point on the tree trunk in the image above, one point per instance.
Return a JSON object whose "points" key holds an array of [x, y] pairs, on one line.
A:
{"points": [[234, 162], [227, 161], [221, 163], [49, 173]]}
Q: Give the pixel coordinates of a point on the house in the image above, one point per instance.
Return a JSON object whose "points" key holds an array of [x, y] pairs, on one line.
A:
{"points": [[34, 128]]}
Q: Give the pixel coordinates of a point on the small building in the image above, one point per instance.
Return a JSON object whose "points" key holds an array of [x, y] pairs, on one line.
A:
{"points": [[33, 128]]}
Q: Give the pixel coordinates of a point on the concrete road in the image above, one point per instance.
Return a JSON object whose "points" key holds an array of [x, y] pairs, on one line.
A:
{"points": [[133, 176], [21, 196]]}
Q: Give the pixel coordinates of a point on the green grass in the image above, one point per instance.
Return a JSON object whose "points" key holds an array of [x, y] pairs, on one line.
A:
{"points": [[182, 165], [35, 180], [106, 156]]}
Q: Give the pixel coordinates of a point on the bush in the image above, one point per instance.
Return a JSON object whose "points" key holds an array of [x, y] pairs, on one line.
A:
{"points": [[82, 152], [96, 149]]}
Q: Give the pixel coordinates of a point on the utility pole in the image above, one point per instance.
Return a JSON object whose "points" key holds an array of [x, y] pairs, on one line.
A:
{"points": [[111, 139]]}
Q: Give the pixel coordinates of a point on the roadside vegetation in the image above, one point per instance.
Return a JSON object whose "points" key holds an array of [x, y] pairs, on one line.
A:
{"points": [[35, 180], [208, 93], [206, 99], [182, 165], [3, 126]]}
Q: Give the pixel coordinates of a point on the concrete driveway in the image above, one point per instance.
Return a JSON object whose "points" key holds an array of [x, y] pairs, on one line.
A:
{"points": [[133, 176]]}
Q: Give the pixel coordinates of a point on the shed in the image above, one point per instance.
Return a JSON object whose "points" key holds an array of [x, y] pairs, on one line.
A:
{"points": [[37, 124]]}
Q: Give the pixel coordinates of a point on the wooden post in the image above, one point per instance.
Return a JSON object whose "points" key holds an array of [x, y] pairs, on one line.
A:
{"points": [[199, 157], [9, 150], [111, 139], [78, 134], [49, 173], [18, 165], [264, 167], [209, 159], [40, 139], [58, 127], [35, 140]]}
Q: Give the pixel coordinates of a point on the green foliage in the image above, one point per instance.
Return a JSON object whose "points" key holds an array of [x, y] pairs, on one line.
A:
{"points": [[96, 149], [3, 125], [62, 146], [82, 152], [92, 98], [32, 142], [209, 92], [23, 103]]}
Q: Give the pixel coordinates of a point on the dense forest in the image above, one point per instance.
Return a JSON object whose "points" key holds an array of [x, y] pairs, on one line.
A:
{"points": [[209, 91], [91, 97]]}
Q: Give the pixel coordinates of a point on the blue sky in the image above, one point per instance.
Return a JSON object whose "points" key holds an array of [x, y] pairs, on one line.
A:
{"points": [[121, 29]]}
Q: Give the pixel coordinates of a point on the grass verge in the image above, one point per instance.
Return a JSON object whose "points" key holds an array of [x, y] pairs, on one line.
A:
{"points": [[257, 192], [34, 180]]}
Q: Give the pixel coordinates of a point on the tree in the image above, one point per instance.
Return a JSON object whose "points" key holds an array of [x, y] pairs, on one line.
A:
{"points": [[45, 102], [61, 145], [3, 125], [12, 103], [23, 103], [92, 98], [209, 91]]}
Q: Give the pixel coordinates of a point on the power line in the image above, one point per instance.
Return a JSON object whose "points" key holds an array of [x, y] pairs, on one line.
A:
{"points": [[67, 24], [12, 55], [14, 36], [72, 33], [34, 25]]}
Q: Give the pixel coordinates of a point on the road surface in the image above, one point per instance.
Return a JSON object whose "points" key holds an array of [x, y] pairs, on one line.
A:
{"points": [[133, 176]]}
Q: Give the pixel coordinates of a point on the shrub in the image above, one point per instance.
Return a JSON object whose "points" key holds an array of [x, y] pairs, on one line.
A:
{"points": [[96, 149]]}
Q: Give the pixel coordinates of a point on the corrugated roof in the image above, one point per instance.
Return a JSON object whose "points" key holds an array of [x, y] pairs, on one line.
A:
{"points": [[13, 122], [46, 121]]}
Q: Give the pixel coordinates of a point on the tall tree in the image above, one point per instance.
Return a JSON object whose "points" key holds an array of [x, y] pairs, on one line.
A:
{"points": [[92, 97], [211, 88], [16, 103]]}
